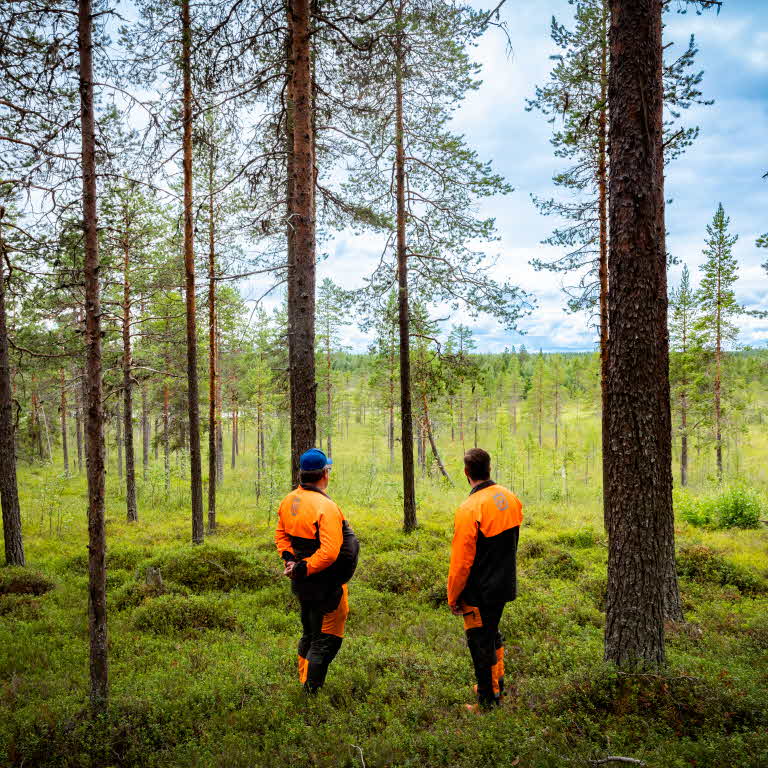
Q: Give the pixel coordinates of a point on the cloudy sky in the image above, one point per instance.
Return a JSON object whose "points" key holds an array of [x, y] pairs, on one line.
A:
{"points": [[725, 164]]}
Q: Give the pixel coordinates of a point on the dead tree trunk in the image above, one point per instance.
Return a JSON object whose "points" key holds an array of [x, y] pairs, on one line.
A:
{"points": [[195, 460], [301, 269], [638, 470], [406, 409], [9, 491], [435, 452], [94, 431]]}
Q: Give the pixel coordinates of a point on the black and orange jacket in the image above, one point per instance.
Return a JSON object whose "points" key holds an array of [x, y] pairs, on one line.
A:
{"points": [[484, 553], [312, 531]]}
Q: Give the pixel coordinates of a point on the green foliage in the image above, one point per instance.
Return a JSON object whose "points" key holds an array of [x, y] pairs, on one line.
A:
{"points": [[702, 564], [204, 568], [23, 581], [406, 573], [20, 607], [733, 507], [558, 565], [136, 593], [172, 613]]}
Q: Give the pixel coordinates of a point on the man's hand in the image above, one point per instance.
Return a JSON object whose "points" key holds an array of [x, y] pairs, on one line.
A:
{"points": [[289, 566], [456, 610]]}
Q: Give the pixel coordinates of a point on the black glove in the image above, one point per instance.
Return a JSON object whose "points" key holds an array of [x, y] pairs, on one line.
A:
{"points": [[288, 556]]}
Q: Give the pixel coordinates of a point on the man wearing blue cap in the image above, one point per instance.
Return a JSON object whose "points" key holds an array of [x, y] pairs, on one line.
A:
{"points": [[320, 552]]}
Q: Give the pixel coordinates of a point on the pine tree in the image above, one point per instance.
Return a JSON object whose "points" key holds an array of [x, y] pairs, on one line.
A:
{"points": [[685, 361], [717, 310]]}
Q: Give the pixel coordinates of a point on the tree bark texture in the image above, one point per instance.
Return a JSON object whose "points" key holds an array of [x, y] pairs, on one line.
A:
{"points": [[301, 268], [406, 408], [94, 424], [638, 468], [195, 459], [9, 490]]}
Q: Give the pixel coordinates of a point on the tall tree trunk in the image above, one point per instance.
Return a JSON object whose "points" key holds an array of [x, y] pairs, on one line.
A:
{"points": [[78, 421], [64, 441], [166, 437], [36, 433], [602, 183], [234, 433], [9, 491], [94, 430], [301, 268], [212, 353], [435, 452], [219, 410], [132, 512], [683, 438], [638, 448], [145, 434], [195, 463], [119, 441], [406, 414]]}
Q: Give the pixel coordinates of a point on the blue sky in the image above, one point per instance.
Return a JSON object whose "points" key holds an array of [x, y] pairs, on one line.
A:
{"points": [[725, 164]]}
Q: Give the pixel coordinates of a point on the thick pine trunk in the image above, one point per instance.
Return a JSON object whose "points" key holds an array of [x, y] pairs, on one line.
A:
{"points": [[406, 413], [9, 491], [638, 444], [195, 472], [301, 268], [132, 512], [94, 427], [212, 355]]}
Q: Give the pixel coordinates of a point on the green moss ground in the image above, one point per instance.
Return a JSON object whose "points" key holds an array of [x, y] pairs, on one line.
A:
{"points": [[204, 675]]}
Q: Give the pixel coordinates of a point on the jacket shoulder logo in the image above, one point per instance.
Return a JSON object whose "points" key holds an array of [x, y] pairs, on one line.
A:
{"points": [[501, 502], [295, 504]]}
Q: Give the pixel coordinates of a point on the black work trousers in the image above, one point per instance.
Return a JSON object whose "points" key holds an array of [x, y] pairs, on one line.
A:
{"points": [[486, 647]]}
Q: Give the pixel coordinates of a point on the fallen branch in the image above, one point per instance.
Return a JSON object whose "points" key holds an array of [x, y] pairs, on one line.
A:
{"points": [[617, 759]]}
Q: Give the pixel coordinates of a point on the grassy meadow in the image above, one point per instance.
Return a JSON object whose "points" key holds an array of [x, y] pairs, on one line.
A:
{"points": [[204, 674]]}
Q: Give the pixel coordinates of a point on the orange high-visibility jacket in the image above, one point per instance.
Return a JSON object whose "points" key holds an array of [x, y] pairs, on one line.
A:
{"points": [[309, 528], [483, 567]]}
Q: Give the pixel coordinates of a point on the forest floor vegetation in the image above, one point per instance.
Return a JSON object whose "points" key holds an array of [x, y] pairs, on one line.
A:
{"points": [[202, 663]]}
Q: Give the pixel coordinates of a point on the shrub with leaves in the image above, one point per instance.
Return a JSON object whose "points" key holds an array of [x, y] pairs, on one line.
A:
{"points": [[135, 594], [212, 568], [23, 581], [735, 507], [176, 613], [704, 565]]}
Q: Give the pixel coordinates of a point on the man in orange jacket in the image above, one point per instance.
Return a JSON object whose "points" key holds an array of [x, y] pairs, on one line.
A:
{"points": [[483, 572], [320, 553]]}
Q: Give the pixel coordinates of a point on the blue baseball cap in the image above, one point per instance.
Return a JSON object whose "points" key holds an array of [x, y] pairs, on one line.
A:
{"points": [[314, 459]]}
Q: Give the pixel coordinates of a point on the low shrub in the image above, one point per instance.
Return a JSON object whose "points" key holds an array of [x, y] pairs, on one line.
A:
{"points": [[704, 565], [558, 565], [581, 538], [122, 558], [404, 573], [596, 587], [15, 580], [134, 594], [177, 613], [207, 568], [21, 607], [532, 548], [735, 507]]}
